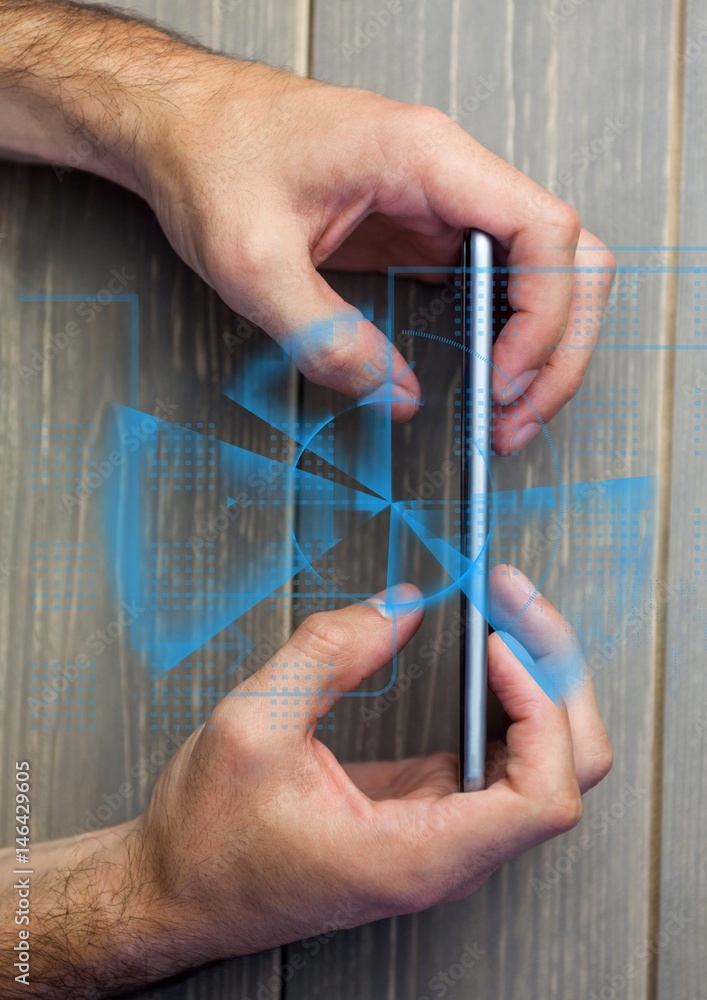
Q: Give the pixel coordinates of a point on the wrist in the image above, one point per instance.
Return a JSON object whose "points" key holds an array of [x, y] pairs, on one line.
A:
{"points": [[99, 922], [146, 933]]}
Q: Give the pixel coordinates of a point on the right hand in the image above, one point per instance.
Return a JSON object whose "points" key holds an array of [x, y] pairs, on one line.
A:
{"points": [[258, 836]]}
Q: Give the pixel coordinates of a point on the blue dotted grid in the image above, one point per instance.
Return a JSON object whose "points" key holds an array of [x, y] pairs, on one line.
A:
{"points": [[62, 576], [316, 591], [180, 574], [187, 700], [505, 543], [192, 694], [62, 696], [605, 422], [181, 459], [292, 691], [621, 314], [59, 454], [608, 541]]}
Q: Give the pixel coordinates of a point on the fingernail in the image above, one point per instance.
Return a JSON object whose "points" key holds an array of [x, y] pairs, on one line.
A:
{"points": [[514, 387], [515, 576], [520, 581], [389, 393], [399, 601], [399, 394], [524, 435]]}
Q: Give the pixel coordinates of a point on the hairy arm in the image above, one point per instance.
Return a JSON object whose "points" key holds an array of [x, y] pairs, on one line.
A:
{"points": [[97, 924], [260, 179], [75, 81]]}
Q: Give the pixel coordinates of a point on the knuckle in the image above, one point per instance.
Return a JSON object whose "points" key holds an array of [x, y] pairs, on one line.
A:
{"points": [[225, 734], [565, 811], [425, 116], [601, 760], [324, 637], [570, 387], [601, 257], [426, 127], [567, 218], [415, 897], [256, 260], [430, 117]]}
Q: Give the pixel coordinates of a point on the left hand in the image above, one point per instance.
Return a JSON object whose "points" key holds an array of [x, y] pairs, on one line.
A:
{"points": [[260, 178]]}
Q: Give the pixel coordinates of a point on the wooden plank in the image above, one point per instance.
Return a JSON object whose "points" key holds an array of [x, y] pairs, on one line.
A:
{"points": [[275, 32], [681, 931], [563, 940], [66, 235]]}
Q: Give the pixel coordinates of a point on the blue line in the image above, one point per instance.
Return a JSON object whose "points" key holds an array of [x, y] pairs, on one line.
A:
{"points": [[560, 269]]}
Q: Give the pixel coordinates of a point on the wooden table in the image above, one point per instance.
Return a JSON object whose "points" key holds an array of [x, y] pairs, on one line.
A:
{"points": [[535, 83]]}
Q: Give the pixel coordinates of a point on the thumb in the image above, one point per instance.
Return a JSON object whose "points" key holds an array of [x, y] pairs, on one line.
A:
{"points": [[330, 654], [330, 341]]}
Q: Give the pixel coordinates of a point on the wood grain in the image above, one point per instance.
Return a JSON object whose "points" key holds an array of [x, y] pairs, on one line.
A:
{"points": [[535, 85], [680, 931], [543, 103], [66, 234]]}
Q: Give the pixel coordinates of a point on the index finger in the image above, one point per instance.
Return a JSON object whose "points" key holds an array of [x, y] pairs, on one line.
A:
{"points": [[467, 185], [467, 835]]}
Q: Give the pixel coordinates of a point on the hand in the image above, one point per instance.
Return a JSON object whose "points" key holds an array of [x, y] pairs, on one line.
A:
{"points": [[258, 836], [260, 178]]}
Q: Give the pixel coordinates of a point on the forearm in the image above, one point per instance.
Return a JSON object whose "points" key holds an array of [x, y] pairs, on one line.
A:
{"points": [[80, 86], [93, 923]]}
